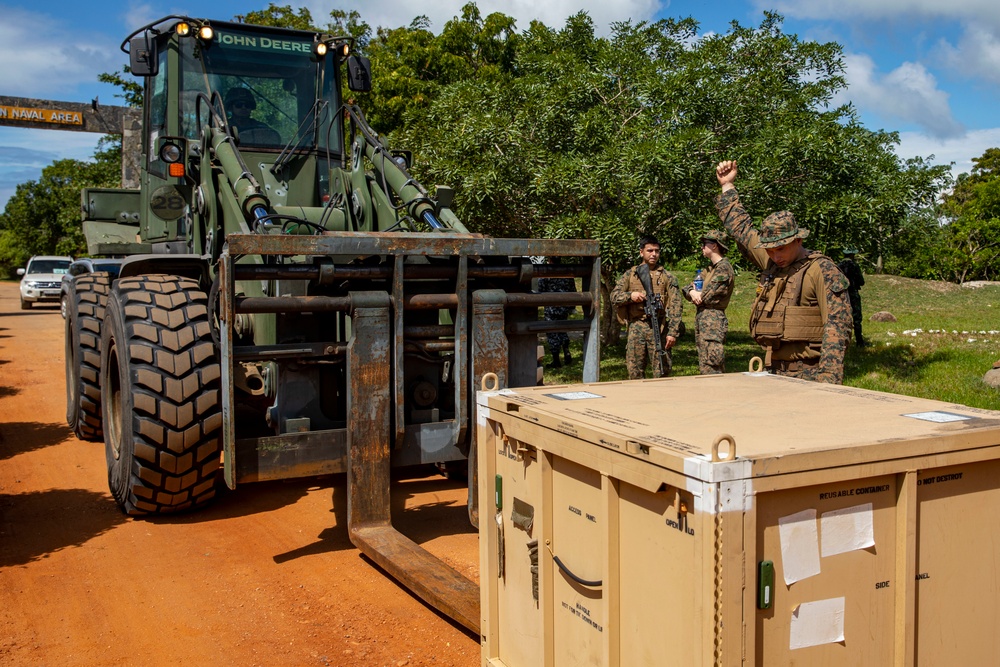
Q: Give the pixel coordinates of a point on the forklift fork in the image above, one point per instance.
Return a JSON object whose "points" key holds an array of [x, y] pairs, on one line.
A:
{"points": [[368, 464]]}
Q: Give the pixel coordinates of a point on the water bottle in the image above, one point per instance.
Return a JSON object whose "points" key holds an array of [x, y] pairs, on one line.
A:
{"points": [[698, 282]]}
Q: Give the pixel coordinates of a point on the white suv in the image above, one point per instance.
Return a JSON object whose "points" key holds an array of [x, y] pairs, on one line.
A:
{"points": [[42, 279]]}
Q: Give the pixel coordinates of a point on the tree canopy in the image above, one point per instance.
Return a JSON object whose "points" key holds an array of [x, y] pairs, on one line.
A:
{"points": [[617, 137]]}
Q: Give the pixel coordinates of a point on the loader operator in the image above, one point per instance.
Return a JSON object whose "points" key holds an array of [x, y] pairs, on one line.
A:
{"points": [[801, 315], [240, 103], [629, 298]]}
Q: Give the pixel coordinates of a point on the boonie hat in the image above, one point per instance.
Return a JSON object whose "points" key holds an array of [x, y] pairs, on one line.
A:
{"points": [[717, 237], [779, 229]]}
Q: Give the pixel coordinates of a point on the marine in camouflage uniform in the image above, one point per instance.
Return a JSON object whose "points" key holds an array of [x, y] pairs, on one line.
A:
{"points": [[628, 298], [558, 341], [801, 316], [852, 272], [710, 322]]}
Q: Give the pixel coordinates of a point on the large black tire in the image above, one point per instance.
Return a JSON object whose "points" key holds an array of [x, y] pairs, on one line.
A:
{"points": [[86, 299], [160, 384]]}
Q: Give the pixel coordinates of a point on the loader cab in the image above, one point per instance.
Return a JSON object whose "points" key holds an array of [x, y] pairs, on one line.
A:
{"points": [[276, 90], [291, 76]]}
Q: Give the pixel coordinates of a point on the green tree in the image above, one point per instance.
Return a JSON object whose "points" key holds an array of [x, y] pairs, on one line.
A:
{"points": [[561, 143], [43, 216], [969, 242], [612, 138], [131, 87], [918, 252], [411, 65], [340, 23], [279, 16]]}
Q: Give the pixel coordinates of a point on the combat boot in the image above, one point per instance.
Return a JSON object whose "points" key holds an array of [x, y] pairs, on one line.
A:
{"points": [[567, 357]]}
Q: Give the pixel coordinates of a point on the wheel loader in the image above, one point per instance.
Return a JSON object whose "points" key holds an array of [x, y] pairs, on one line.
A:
{"points": [[292, 302]]}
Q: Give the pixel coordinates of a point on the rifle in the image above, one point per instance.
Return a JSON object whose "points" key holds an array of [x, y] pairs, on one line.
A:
{"points": [[653, 305]]}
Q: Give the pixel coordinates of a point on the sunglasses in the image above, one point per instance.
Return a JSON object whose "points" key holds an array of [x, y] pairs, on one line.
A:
{"points": [[242, 105]]}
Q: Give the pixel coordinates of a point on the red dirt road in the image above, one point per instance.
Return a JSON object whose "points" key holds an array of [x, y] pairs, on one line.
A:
{"points": [[265, 576]]}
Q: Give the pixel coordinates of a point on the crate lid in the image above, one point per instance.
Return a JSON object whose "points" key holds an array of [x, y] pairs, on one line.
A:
{"points": [[778, 424]]}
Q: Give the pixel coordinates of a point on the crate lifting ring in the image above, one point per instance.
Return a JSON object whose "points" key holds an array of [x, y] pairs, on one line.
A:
{"points": [[491, 382], [730, 454]]}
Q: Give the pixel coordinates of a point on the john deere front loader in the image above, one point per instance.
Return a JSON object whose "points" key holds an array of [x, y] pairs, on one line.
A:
{"points": [[292, 302]]}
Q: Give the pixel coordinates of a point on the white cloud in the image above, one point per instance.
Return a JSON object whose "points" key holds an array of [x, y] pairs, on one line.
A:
{"points": [[976, 55], [909, 94], [553, 13], [960, 149], [57, 65], [139, 14], [843, 10]]}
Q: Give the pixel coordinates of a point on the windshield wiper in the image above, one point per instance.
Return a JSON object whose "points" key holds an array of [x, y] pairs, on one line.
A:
{"points": [[309, 121]]}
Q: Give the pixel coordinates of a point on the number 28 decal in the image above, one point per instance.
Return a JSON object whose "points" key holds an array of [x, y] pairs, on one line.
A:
{"points": [[167, 203]]}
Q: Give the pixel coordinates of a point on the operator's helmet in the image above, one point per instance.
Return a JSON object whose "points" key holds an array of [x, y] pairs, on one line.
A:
{"points": [[240, 95]]}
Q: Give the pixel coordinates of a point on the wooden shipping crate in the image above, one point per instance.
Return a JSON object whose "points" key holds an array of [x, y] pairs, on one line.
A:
{"points": [[736, 519]]}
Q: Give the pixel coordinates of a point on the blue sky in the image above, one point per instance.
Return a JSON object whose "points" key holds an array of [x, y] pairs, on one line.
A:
{"points": [[928, 69]]}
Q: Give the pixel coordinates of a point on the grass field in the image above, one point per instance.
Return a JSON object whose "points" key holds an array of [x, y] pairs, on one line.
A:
{"points": [[945, 339]]}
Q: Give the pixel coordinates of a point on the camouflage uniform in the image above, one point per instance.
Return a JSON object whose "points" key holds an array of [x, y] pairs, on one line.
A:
{"points": [[852, 272], [640, 348], [710, 322], [559, 340], [804, 329]]}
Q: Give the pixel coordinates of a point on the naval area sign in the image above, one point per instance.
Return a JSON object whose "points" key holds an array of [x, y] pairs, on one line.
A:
{"points": [[56, 116]]}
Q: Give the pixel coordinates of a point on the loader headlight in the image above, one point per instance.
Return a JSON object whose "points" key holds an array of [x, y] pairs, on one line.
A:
{"points": [[170, 152], [340, 48], [205, 32]]}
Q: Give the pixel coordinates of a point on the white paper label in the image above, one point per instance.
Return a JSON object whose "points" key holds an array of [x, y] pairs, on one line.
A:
{"points": [[799, 546], [938, 416], [847, 529], [817, 623], [574, 395]]}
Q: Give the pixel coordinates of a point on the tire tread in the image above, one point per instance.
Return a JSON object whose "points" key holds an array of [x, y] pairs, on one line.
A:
{"points": [[176, 421], [83, 325]]}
